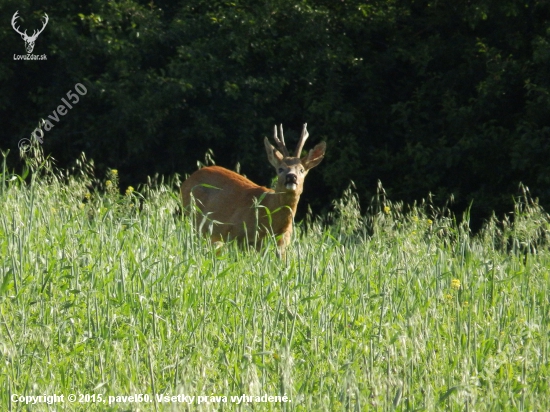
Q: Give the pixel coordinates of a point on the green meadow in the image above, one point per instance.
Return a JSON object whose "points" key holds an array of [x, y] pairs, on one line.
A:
{"points": [[108, 294]]}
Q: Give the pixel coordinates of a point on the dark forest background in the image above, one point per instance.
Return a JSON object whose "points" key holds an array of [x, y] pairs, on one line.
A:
{"points": [[449, 97]]}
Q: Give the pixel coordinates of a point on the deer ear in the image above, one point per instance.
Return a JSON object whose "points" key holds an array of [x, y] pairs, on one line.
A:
{"points": [[273, 155], [314, 156]]}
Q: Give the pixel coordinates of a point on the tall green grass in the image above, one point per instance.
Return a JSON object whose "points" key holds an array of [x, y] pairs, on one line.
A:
{"points": [[404, 309]]}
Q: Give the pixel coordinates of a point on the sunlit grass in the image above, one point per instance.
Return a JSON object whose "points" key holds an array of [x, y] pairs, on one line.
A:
{"points": [[404, 309]]}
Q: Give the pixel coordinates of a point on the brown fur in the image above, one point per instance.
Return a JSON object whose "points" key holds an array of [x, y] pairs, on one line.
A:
{"points": [[226, 200]]}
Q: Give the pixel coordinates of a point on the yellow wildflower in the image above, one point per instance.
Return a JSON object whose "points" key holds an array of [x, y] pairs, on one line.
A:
{"points": [[88, 196], [387, 210], [108, 183], [455, 284], [129, 191], [429, 221], [114, 172]]}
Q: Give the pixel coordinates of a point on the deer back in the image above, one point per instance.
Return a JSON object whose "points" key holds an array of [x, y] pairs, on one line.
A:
{"points": [[225, 201]]}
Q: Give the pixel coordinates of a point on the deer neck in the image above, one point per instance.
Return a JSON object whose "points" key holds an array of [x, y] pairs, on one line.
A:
{"points": [[285, 203]]}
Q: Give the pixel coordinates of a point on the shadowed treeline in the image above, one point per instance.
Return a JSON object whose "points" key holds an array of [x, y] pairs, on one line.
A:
{"points": [[427, 96]]}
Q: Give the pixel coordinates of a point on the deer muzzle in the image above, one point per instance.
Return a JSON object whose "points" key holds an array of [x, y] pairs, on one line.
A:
{"points": [[291, 181]]}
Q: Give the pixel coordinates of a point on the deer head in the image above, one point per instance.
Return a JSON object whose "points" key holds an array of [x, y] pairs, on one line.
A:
{"points": [[29, 40], [292, 170]]}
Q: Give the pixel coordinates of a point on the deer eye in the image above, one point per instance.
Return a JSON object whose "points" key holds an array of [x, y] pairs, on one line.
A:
{"points": [[302, 171], [280, 170]]}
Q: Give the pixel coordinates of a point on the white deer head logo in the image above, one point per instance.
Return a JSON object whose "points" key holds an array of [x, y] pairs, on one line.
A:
{"points": [[29, 40]]}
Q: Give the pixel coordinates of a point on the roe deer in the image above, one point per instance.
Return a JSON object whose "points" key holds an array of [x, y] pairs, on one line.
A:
{"points": [[233, 207]]}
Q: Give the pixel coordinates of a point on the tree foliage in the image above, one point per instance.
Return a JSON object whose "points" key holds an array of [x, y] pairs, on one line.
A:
{"points": [[427, 96]]}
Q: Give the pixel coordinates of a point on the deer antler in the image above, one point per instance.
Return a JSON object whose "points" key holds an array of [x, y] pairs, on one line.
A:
{"points": [[13, 19], [35, 33], [301, 142], [280, 143], [44, 24]]}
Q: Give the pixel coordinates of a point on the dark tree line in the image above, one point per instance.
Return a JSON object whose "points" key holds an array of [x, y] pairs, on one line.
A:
{"points": [[441, 96]]}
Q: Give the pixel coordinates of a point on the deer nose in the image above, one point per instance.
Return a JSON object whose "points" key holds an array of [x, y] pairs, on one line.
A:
{"points": [[291, 178]]}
